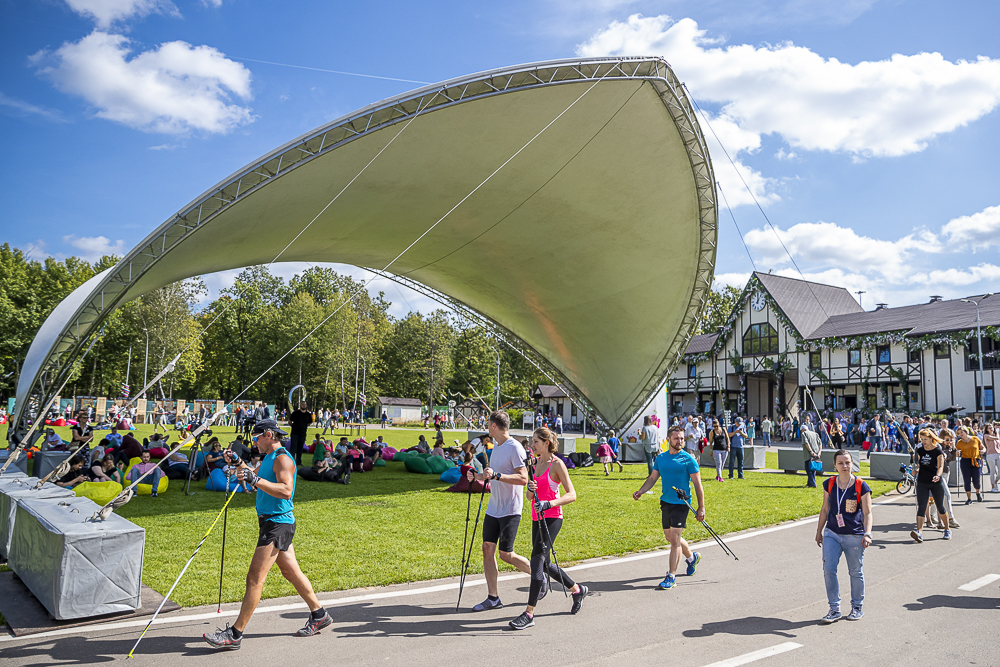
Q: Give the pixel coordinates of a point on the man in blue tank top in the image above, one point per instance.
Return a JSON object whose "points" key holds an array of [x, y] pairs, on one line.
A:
{"points": [[274, 481]]}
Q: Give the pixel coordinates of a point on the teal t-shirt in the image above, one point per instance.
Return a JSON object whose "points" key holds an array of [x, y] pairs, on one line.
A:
{"points": [[675, 470], [278, 510]]}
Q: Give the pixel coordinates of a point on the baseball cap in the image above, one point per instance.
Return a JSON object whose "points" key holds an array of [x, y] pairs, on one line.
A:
{"points": [[267, 425]]}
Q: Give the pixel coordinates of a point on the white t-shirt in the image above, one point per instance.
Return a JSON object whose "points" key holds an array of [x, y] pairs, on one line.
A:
{"points": [[650, 438], [506, 499]]}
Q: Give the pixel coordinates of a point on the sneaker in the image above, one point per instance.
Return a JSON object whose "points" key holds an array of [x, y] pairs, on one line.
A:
{"points": [[915, 534], [979, 497], [668, 582], [154, 494], [522, 622], [578, 599], [693, 565], [832, 616], [488, 604], [313, 626], [968, 501], [855, 614], [545, 588], [223, 639], [947, 535], [995, 489], [952, 523]]}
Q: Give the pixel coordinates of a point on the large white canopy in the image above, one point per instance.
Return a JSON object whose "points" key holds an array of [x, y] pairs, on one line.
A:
{"points": [[591, 251]]}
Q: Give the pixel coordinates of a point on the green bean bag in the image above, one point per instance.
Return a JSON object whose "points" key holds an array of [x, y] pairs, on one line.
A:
{"points": [[438, 464], [417, 464], [101, 493], [379, 463], [145, 489], [402, 456], [424, 455]]}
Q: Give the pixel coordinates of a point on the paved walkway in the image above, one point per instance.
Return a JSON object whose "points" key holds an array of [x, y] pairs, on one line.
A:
{"points": [[762, 609]]}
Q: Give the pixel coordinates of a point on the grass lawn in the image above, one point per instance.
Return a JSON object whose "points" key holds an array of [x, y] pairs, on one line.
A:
{"points": [[772, 464], [390, 526]]}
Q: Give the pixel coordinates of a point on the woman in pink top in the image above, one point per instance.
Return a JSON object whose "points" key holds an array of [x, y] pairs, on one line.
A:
{"points": [[549, 472], [992, 443]]}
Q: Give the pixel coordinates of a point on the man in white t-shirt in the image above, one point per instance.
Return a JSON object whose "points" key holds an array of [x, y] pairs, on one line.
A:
{"points": [[691, 438], [650, 438], [508, 476]]}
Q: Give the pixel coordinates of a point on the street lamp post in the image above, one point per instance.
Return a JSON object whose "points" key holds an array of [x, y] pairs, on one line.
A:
{"points": [[979, 348], [145, 365]]}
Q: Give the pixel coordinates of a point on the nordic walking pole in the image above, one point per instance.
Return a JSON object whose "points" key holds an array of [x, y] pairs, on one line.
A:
{"points": [[222, 561], [683, 496], [475, 527], [465, 544]]}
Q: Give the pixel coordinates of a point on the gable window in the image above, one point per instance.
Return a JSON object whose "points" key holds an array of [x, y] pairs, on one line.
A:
{"points": [[942, 350], [882, 354], [692, 370], [854, 357], [815, 359], [760, 339], [914, 356]]}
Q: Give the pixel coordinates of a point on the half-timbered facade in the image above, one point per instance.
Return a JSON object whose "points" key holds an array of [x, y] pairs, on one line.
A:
{"points": [[791, 344]]}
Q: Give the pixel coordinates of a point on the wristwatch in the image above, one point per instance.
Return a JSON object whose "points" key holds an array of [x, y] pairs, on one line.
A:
{"points": [[496, 475], [867, 535]]}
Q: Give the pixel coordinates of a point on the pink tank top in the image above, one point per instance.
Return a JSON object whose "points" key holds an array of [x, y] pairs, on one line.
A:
{"points": [[548, 489]]}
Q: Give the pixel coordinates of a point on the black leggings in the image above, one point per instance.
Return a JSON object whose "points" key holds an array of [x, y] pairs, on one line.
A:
{"points": [[540, 560], [924, 492], [971, 474]]}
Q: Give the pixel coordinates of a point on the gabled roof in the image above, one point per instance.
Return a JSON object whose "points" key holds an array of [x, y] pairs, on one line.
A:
{"points": [[548, 391], [918, 320], [389, 400], [701, 343], [806, 304]]}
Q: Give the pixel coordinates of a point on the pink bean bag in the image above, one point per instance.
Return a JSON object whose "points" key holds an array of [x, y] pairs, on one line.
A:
{"points": [[388, 452], [158, 452]]}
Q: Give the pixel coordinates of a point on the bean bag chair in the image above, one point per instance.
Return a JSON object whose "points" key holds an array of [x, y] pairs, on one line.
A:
{"points": [[367, 465], [424, 455], [451, 476], [462, 486], [417, 464], [158, 452], [389, 452], [567, 460], [438, 464], [145, 489], [217, 482], [380, 463], [59, 422], [101, 493], [402, 456], [310, 448]]}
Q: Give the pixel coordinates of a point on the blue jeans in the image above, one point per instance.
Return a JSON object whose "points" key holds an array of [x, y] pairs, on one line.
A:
{"points": [[767, 439], [650, 457], [736, 458], [849, 545]]}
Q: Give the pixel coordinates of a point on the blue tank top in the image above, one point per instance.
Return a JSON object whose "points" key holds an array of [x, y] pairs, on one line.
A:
{"points": [[277, 510]]}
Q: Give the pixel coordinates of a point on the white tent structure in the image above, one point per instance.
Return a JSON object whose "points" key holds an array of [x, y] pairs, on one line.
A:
{"points": [[591, 251]]}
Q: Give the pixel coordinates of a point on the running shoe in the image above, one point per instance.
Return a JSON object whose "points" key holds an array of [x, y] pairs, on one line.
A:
{"points": [[953, 523], [979, 497], [578, 599], [947, 535], [855, 614], [223, 639], [832, 616], [693, 565], [522, 622], [488, 604], [313, 626], [968, 501], [154, 494], [668, 582], [916, 535]]}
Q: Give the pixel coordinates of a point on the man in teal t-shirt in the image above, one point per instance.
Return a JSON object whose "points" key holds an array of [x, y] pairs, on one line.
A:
{"points": [[678, 469]]}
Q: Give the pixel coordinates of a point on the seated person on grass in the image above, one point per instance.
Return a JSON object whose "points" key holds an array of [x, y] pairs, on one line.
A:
{"points": [[53, 442], [176, 465], [374, 450], [105, 470], [130, 449], [142, 468], [240, 448], [342, 447], [214, 458], [75, 474], [421, 447]]}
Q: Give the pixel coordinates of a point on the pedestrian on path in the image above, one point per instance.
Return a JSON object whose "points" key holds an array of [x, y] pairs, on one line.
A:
{"points": [[992, 443], [930, 459], [650, 438], [549, 474], [503, 514], [971, 463], [845, 527], [736, 443], [812, 452], [274, 481], [615, 444], [720, 448], [677, 468]]}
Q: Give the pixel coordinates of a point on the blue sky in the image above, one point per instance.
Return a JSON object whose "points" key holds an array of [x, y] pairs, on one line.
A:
{"points": [[867, 129]]}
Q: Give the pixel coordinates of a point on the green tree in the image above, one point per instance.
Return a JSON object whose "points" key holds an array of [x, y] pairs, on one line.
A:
{"points": [[718, 306]]}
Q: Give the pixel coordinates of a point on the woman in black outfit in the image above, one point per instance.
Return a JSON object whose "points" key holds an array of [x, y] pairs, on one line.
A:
{"points": [[930, 459], [720, 448]]}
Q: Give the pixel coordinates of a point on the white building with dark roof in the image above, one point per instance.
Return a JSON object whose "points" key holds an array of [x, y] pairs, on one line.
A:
{"points": [[792, 344], [400, 410]]}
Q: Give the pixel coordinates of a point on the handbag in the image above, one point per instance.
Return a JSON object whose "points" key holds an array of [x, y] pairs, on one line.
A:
{"points": [[814, 466]]}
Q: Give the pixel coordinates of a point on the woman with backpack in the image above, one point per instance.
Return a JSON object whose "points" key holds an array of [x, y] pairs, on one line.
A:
{"points": [[845, 527]]}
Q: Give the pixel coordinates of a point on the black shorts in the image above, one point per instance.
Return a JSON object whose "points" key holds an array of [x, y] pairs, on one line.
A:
{"points": [[502, 531], [278, 534], [673, 515]]}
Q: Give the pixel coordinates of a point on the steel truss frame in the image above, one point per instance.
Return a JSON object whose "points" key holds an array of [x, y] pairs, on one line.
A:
{"points": [[116, 282]]}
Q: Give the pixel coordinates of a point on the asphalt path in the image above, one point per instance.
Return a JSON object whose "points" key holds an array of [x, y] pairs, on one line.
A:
{"points": [[933, 603]]}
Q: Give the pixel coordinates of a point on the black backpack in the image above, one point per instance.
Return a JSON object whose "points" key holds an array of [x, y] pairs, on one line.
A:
{"points": [[581, 459]]}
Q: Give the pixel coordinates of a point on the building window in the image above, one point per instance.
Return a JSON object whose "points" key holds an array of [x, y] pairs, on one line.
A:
{"points": [[991, 360], [913, 356], [990, 405], [942, 350], [760, 339], [692, 370], [882, 354], [854, 357], [815, 359]]}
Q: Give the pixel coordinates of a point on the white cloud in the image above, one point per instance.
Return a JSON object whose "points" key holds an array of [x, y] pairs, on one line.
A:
{"points": [[106, 12], [736, 179], [212, 3], [92, 248], [980, 230], [172, 89], [26, 108], [36, 250], [879, 108]]}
